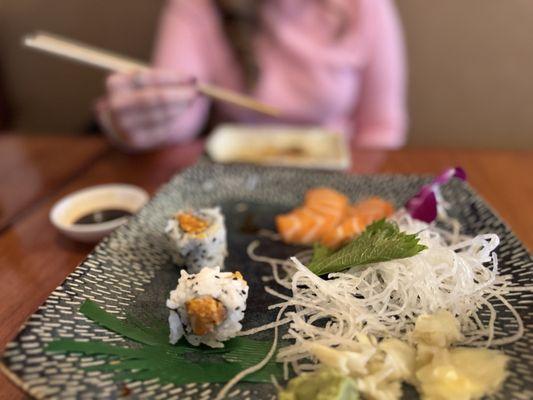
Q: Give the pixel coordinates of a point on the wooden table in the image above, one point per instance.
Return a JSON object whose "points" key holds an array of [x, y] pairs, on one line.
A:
{"points": [[36, 171]]}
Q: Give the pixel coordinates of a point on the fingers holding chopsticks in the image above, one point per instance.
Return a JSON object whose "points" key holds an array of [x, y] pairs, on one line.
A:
{"points": [[86, 54], [146, 78], [142, 109]]}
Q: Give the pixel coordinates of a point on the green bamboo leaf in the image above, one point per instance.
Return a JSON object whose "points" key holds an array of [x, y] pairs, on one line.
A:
{"points": [[156, 358], [150, 362], [90, 348], [381, 241], [119, 365], [242, 349], [91, 310]]}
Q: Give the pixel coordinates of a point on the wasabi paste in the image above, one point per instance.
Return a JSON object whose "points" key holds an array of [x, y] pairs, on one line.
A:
{"points": [[323, 384]]}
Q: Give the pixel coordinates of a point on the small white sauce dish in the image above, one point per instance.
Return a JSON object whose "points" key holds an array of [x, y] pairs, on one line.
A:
{"points": [[76, 205]]}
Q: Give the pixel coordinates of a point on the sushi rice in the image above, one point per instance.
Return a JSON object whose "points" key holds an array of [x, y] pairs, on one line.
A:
{"points": [[226, 288], [199, 243]]}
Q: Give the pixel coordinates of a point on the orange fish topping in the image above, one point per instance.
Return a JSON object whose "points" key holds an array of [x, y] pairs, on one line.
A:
{"points": [[191, 223], [205, 314], [238, 275]]}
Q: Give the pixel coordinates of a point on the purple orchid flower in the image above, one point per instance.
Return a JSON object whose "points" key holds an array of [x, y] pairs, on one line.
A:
{"points": [[423, 205]]}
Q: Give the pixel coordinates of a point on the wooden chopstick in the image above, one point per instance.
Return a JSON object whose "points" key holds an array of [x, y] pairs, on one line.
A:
{"points": [[96, 57], [230, 96]]}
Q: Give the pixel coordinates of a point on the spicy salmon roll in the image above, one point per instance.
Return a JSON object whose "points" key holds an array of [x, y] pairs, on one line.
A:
{"points": [[207, 307], [198, 239]]}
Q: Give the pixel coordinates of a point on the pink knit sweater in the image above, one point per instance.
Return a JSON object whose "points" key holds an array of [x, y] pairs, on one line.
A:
{"points": [[354, 85]]}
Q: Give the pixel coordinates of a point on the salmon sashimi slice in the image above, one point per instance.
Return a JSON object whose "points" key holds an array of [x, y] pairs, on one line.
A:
{"points": [[288, 226], [334, 214], [312, 225], [349, 228], [325, 197], [372, 209], [327, 217], [327, 202], [359, 216], [333, 238], [302, 226]]}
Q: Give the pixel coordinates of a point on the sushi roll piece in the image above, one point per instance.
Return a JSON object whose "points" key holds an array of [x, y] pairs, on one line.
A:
{"points": [[198, 239], [207, 307]]}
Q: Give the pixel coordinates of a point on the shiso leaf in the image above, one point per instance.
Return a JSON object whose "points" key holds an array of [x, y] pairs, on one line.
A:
{"points": [[320, 252], [153, 357], [381, 241]]}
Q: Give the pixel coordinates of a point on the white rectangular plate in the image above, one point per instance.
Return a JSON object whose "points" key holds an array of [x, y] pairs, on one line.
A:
{"points": [[301, 147]]}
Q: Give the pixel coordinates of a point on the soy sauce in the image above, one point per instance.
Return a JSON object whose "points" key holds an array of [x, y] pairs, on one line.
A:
{"points": [[99, 216], [248, 225]]}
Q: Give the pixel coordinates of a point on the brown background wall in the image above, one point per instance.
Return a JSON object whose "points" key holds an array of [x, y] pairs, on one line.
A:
{"points": [[51, 95], [471, 65], [471, 71]]}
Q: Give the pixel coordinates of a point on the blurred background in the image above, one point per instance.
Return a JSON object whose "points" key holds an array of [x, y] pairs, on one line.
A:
{"points": [[470, 66]]}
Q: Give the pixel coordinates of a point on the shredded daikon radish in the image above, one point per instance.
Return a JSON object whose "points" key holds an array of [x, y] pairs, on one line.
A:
{"points": [[269, 234], [455, 273], [250, 370]]}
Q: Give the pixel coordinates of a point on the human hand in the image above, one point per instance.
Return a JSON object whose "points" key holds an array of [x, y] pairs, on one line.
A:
{"points": [[142, 109]]}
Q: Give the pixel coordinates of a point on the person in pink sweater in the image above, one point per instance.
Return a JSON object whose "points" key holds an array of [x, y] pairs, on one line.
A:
{"points": [[335, 63]]}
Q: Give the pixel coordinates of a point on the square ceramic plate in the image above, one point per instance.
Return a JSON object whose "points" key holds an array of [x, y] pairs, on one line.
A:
{"points": [[130, 271]]}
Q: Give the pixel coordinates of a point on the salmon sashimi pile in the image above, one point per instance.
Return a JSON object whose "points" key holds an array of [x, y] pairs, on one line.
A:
{"points": [[327, 217]]}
